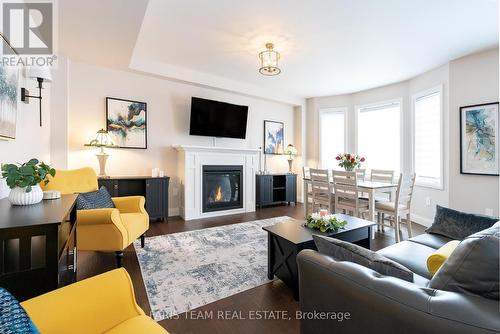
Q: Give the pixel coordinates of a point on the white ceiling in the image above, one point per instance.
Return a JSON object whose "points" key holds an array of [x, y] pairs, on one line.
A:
{"points": [[328, 46]]}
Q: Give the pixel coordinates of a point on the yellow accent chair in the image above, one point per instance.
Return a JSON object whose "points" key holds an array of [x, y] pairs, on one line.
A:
{"points": [[101, 304], [109, 229]]}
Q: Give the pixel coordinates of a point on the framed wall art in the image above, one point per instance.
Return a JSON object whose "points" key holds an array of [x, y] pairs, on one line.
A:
{"points": [[126, 122], [479, 139], [274, 137], [9, 92]]}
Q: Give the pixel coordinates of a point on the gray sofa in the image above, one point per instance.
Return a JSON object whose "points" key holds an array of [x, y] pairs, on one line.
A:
{"points": [[382, 304]]}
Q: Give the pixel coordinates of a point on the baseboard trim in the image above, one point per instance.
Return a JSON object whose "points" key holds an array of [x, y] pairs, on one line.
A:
{"points": [[173, 212], [421, 220]]}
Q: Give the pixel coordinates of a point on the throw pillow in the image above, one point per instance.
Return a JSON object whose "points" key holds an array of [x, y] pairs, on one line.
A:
{"points": [[436, 259], [94, 200], [13, 318], [458, 225], [473, 267], [346, 251]]}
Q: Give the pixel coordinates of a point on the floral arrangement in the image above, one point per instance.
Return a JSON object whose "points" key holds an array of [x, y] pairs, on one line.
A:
{"points": [[324, 222], [349, 161]]}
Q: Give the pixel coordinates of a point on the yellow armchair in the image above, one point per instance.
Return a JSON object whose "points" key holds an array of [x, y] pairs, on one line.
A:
{"points": [[101, 304], [103, 229]]}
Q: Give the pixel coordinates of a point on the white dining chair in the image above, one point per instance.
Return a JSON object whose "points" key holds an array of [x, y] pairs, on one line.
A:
{"points": [[386, 176], [361, 173], [399, 207], [306, 174], [345, 186], [322, 190]]}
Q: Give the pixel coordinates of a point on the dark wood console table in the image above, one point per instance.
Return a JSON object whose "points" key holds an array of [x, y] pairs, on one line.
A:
{"points": [[274, 189], [154, 189], [37, 246]]}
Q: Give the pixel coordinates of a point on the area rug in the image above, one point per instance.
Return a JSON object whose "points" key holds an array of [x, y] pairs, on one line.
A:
{"points": [[186, 270]]}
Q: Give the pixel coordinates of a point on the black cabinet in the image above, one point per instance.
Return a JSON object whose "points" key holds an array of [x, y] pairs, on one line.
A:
{"points": [[154, 190], [275, 189]]}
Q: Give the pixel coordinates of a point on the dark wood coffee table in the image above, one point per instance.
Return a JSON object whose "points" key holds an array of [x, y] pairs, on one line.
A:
{"points": [[286, 240]]}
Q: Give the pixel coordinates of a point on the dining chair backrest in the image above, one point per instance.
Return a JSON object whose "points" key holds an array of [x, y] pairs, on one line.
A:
{"points": [[306, 172], [381, 175], [321, 188], [345, 185], [404, 191], [361, 173]]}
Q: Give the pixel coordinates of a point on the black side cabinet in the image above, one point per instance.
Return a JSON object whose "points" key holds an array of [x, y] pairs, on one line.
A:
{"points": [[275, 189], [154, 189]]}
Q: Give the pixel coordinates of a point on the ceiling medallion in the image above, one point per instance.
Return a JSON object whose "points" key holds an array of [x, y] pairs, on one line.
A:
{"points": [[269, 61]]}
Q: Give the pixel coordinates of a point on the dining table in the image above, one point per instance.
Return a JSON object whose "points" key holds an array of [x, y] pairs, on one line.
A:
{"points": [[365, 186]]}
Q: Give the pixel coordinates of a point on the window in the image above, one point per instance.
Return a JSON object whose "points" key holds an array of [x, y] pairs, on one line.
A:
{"points": [[379, 138], [427, 150], [332, 135]]}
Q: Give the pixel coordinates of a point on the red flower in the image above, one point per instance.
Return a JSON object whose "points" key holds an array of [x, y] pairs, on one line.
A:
{"points": [[348, 156], [362, 159], [338, 157], [353, 160]]}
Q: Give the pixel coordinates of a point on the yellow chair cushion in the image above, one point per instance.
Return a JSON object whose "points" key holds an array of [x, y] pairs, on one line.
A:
{"points": [[139, 324], [436, 259]]}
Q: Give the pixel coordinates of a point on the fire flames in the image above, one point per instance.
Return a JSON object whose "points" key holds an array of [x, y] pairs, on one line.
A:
{"points": [[218, 194]]}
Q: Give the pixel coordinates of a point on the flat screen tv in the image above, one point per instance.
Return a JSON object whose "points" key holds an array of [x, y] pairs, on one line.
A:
{"points": [[217, 119]]}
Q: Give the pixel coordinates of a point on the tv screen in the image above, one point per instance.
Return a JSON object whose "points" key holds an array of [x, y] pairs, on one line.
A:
{"points": [[217, 119]]}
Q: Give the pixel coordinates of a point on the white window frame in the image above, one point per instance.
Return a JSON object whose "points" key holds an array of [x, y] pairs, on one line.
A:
{"points": [[414, 97], [398, 100], [327, 110]]}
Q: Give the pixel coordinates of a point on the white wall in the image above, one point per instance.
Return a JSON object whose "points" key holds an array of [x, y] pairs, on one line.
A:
{"points": [[32, 141], [469, 80], [473, 80], [168, 105]]}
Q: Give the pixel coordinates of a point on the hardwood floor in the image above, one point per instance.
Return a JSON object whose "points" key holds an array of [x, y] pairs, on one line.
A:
{"points": [[274, 296]]}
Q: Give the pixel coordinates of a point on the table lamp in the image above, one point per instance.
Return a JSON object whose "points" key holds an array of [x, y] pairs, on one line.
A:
{"points": [[291, 151], [102, 140]]}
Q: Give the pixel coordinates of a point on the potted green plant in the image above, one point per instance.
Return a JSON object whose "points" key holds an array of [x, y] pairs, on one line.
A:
{"points": [[324, 222], [24, 181]]}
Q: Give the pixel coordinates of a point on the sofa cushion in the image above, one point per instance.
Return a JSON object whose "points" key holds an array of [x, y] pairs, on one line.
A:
{"points": [[473, 267], [139, 324], [410, 254], [458, 225], [346, 251], [432, 240], [94, 200]]}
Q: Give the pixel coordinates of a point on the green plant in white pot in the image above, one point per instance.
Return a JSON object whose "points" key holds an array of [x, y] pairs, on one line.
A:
{"points": [[24, 181]]}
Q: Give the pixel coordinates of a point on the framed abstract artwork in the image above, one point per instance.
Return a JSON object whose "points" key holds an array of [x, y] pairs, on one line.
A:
{"points": [[9, 83], [479, 139], [126, 122], [274, 137]]}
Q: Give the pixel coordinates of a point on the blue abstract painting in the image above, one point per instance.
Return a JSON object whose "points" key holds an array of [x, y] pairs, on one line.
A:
{"points": [[9, 78], [274, 137], [479, 132], [126, 122]]}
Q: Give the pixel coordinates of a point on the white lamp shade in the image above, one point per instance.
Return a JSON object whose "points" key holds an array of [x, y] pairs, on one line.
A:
{"points": [[39, 72]]}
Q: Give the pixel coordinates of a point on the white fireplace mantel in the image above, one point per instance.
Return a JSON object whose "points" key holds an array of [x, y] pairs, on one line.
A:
{"points": [[190, 162]]}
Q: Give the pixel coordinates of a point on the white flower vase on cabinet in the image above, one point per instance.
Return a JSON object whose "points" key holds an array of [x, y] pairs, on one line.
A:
{"points": [[19, 196]]}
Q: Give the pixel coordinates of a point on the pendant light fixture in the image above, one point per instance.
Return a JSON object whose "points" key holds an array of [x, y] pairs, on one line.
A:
{"points": [[269, 61]]}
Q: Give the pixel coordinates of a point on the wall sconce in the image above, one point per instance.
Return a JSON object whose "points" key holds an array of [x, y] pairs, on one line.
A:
{"points": [[41, 74]]}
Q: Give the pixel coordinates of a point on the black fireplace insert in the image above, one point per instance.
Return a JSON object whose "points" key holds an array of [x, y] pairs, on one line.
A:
{"points": [[222, 187]]}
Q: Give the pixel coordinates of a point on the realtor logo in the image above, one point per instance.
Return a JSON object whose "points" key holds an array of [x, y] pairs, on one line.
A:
{"points": [[28, 26]]}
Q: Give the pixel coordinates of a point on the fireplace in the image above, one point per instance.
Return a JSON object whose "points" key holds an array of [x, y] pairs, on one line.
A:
{"points": [[222, 188]]}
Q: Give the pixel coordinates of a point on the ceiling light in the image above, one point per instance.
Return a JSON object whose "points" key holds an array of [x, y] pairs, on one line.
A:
{"points": [[269, 61]]}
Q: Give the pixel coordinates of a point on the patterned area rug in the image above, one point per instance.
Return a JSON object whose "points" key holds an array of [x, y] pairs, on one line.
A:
{"points": [[183, 271]]}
